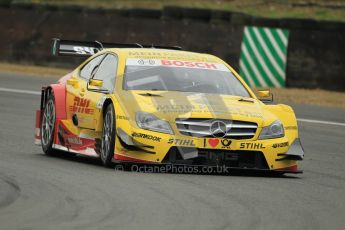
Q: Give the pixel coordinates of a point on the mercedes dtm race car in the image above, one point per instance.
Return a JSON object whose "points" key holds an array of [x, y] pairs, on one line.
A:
{"points": [[162, 105]]}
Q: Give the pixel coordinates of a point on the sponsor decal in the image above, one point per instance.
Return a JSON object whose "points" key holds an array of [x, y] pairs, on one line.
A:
{"points": [[81, 105], [121, 117], [146, 62], [177, 63], [146, 136], [226, 143], [75, 140], [280, 145], [181, 142], [85, 50], [291, 128], [206, 108], [200, 65], [153, 55], [175, 108], [251, 146], [213, 142]]}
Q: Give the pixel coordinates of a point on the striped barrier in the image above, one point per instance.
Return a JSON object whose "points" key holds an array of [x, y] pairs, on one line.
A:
{"points": [[263, 56]]}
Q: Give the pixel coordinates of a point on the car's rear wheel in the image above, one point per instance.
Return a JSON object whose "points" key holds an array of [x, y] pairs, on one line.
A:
{"points": [[108, 136], [48, 126]]}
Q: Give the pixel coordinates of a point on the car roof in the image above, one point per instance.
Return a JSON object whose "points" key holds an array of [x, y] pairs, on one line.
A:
{"points": [[153, 53]]}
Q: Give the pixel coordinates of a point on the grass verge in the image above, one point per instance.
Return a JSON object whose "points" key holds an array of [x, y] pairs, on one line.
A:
{"points": [[312, 9], [33, 70]]}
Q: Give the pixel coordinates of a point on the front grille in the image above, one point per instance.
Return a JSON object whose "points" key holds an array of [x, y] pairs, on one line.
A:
{"points": [[213, 157], [199, 127]]}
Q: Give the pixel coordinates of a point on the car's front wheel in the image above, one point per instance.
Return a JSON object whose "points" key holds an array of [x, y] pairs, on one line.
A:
{"points": [[108, 136], [48, 126]]}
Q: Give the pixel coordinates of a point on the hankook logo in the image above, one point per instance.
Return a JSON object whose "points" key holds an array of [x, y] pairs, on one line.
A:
{"points": [[218, 129]]}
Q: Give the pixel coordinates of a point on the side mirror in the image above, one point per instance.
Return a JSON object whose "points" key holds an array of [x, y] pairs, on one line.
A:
{"points": [[263, 93], [96, 83], [265, 96]]}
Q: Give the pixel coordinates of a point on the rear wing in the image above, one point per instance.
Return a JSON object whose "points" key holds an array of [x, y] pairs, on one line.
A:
{"points": [[85, 48]]}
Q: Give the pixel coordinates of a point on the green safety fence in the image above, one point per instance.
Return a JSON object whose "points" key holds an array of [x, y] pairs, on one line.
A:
{"points": [[263, 56]]}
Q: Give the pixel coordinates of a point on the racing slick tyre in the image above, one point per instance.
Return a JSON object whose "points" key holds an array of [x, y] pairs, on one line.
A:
{"points": [[108, 136], [48, 126]]}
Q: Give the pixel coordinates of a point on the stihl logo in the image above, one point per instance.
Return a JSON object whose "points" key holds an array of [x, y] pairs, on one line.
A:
{"points": [[81, 105]]}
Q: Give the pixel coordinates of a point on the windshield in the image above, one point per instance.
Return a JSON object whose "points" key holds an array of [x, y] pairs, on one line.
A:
{"points": [[184, 76]]}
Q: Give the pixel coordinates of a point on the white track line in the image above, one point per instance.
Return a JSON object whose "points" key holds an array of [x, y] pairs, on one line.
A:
{"points": [[20, 91], [298, 119], [320, 122]]}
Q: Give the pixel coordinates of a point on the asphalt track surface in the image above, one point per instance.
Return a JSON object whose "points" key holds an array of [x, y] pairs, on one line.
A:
{"points": [[41, 192]]}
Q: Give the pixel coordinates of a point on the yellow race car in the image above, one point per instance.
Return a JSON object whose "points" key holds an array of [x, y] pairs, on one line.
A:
{"points": [[162, 105]]}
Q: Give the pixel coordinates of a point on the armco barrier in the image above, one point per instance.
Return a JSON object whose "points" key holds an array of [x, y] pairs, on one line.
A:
{"points": [[315, 58]]}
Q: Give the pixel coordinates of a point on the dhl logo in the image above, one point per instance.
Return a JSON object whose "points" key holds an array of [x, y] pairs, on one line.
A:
{"points": [[81, 105]]}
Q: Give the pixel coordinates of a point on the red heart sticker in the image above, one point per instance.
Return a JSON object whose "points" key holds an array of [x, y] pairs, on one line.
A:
{"points": [[213, 142]]}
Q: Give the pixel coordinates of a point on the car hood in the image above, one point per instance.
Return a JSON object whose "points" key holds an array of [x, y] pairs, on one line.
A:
{"points": [[170, 105]]}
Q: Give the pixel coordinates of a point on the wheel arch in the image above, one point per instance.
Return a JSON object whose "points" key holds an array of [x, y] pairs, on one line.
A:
{"points": [[59, 92], [107, 153], [106, 102]]}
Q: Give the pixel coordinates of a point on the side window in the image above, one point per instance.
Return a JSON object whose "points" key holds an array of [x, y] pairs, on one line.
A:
{"points": [[107, 72], [86, 70]]}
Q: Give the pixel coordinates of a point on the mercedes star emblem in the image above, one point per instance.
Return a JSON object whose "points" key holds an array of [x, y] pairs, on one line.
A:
{"points": [[218, 129]]}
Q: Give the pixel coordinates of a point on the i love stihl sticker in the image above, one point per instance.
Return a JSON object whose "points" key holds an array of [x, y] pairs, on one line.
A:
{"points": [[217, 143]]}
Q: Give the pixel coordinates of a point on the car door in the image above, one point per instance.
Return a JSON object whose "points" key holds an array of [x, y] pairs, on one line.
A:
{"points": [[81, 102], [106, 72]]}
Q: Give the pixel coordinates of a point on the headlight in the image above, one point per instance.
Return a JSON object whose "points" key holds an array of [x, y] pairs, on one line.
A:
{"points": [[275, 130], [150, 122]]}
